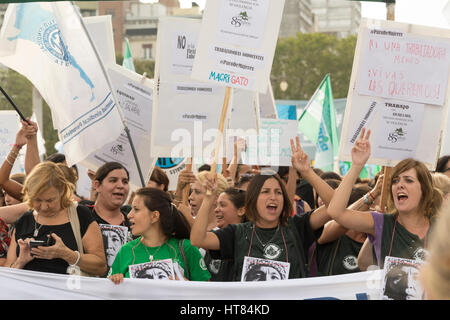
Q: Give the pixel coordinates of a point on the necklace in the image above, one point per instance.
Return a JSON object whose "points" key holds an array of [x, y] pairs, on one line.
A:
{"points": [[36, 229], [151, 256], [259, 239]]}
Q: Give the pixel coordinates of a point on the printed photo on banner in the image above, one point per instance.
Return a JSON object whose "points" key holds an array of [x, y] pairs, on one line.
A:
{"points": [[401, 279], [155, 270], [256, 269], [114, 237]]}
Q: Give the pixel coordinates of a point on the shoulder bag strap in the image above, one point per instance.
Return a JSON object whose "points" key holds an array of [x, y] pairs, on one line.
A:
{"points": [[75, 224], [183, 254]]}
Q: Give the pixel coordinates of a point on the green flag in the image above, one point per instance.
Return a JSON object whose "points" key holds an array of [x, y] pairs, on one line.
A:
{"points": [[318, 124], [128, 58]]}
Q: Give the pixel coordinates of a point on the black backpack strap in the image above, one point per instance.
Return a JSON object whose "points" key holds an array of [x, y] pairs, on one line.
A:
{"points": [[183, 255]]}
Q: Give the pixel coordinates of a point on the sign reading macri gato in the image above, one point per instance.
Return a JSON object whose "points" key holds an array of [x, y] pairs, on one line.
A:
{"points": [[237, 43]]}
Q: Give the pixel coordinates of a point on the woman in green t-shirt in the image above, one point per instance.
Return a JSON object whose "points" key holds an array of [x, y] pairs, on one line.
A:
{"points": [[164, 234]]}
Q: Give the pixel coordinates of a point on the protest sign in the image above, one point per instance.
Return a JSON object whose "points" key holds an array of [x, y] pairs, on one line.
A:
{"points": [[266, 102], [271, 147], [244, 112], [135, 96], [101, 32], [185, 111], [398, 90], [237, 43], [9, 126]]}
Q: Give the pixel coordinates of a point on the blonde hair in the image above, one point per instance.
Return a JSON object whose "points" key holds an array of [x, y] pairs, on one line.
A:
{"points": [[222, 183], [442, 182], [436, 272], [44, 176]]}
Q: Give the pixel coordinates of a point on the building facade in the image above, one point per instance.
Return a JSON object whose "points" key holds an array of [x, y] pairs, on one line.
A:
{"points": [[338, 17]]}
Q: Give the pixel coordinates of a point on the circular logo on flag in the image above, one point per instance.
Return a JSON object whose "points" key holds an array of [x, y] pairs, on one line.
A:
{"points": [[51, 42]]}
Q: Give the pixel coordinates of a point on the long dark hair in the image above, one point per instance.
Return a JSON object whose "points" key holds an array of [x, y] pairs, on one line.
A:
{"points": [[173, 223], [253, 191]]}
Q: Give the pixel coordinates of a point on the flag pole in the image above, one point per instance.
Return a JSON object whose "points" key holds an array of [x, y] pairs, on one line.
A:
{"points": [[14, 105], [116, 101]]}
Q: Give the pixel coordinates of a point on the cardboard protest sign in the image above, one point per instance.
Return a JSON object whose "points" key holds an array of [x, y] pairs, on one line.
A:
{"points": [[271, 147], [186, 110], [135, 96], [237, 43], [101, 32], [398, 90], [9, 126]]}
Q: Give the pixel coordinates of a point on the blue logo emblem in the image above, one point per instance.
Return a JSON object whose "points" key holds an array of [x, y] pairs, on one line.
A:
{"points": [[167, 163], [52, 42]]}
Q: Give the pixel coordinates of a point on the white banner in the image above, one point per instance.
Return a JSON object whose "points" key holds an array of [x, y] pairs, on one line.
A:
{"points": [[46, 43], [30, 285]]}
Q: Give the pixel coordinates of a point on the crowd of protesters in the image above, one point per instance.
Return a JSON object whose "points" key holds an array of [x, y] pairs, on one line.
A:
{"points": [[218, 227]]}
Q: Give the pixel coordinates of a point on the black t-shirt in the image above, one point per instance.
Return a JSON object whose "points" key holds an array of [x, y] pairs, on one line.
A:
{"points": [[25, 227], [338, 257], [124, 210], [288, 244]]}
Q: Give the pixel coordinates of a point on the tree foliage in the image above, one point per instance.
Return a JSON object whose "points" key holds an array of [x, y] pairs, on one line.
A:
{"points": [[304, 60]]}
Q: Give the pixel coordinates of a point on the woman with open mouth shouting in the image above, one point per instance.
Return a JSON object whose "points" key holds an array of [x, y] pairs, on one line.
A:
{"points": [[412, 204], [272, 235]]}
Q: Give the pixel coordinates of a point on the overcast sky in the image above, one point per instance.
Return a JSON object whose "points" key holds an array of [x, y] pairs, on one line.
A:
{"points": [[425, 12]]}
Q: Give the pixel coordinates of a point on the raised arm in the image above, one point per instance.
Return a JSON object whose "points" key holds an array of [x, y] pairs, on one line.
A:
{"points": [[337, 209], [32, 153], [333, 230], [200, 236], [300, 162]]}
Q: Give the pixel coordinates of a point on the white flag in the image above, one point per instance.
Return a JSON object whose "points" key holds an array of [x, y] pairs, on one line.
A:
{"points": [[47, 44]]}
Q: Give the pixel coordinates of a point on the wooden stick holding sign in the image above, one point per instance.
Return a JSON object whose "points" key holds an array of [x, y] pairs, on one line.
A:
{"points": [[223, 116], [385, 188], [390, 15]]}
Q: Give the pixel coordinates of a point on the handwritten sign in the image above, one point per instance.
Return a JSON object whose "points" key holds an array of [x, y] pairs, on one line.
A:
{"points": [[237, 43], [399, 65], [399, 90]]}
